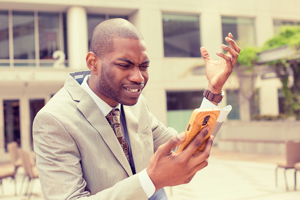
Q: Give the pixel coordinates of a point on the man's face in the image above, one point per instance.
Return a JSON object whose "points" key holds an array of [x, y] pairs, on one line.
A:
{"points": [[123, 73]]}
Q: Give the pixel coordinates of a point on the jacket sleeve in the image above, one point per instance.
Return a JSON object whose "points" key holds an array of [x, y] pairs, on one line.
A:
{"points": [[59, 166]]}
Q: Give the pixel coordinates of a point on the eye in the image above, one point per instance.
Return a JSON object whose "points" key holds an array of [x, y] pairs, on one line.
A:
{"points": [[144, 67], [124, 65]]}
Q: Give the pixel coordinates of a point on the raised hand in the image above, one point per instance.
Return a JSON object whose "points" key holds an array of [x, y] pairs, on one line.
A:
{"points": [[218, 71]]}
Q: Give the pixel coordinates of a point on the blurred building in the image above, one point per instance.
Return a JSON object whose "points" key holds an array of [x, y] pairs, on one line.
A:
{"points": [[42, 41]]}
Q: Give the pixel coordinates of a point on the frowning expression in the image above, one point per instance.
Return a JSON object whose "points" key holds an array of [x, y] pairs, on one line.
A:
{"points": [[123, 73]]}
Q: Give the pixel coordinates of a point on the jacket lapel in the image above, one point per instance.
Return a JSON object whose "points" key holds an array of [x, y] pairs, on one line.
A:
{"points": [[138, 140], [94, 116]]}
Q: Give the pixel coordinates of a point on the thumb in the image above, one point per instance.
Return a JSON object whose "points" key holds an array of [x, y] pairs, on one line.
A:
{"points": [[204, 54], [173, 142]]}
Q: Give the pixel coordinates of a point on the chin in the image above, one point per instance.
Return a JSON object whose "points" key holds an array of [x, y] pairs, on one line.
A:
{"points": [[129, 102]]}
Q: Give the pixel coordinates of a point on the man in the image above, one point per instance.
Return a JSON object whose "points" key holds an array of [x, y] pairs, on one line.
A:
{"points": [[82, 154]]}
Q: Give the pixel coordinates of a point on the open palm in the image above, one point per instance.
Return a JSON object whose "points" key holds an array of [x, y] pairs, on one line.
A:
{"points": [[218, 71]]}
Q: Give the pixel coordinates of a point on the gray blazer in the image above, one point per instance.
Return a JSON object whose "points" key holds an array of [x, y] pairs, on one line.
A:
{"points": [[78, 155]]}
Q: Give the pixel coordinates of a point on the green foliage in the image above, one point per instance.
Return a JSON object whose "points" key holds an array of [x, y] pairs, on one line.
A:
{"points": [[288, 36], [269, 117], [247, 58]]}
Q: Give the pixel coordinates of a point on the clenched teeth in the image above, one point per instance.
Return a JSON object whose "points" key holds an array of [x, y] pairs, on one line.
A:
{"points": [[133, 90]]}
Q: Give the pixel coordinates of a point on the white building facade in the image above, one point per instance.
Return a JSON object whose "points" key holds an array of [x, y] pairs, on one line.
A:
{"points": [[42, 41]]}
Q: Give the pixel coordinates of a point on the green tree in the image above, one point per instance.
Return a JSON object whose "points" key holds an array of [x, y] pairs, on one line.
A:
{"points": [[289, 36]]}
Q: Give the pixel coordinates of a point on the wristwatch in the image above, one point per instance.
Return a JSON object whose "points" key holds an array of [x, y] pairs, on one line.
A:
{"points": [[213, 97]]}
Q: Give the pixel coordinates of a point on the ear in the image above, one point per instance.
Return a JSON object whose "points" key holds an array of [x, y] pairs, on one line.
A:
{"points": [[92, 62]]}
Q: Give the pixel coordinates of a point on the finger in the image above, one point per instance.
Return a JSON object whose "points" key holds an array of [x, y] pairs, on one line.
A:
{"points": [[233, 44], [199, 167], [196, 143], [227, 58], [171, 144], [206, 151], [232, 53], [204, 54], [204, 155], [230, 35]]}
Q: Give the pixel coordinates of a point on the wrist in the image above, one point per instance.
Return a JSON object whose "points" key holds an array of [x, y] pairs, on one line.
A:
{"points": [[213, 97], [214, 90], [151, 177], [146, 183]]}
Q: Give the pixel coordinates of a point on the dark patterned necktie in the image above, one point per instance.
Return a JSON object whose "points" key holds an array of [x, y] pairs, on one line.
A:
{"points": [[114, 120]]}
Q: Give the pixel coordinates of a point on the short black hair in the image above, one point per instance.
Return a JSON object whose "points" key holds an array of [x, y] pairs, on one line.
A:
{"points": [[104, 33]]}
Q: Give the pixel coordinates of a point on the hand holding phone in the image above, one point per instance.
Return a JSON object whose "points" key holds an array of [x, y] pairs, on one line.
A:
{"points": [[200, 118]]}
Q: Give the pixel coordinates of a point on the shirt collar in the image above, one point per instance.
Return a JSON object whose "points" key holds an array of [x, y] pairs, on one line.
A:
{"points": [[102, 105]]}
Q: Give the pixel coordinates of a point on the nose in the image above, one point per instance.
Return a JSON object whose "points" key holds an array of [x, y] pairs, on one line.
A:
{"points": [[136, 75]]}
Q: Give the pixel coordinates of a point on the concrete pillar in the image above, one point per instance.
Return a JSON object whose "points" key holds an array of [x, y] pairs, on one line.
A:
{"points": [[25, 124], [244, 107], [77, 37], [264, 29], [264, 22], [268, 97], [148, 21], [211, 35]]}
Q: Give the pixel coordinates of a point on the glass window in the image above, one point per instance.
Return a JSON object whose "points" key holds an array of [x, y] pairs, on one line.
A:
{"points": [[181, 34], [93, 20], [4, 36], [11, 121], [233, 100], [48, 34], [31, 48], [279, 23], [184, 100], [281, 102], [242, 30], [118, 16], [35, 106], [180, 105], [65, 34], [254, 103], [23, 35]]}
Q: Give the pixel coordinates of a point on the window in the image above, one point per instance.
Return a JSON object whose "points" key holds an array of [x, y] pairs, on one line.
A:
{"points": [[254, 103], [4, 41], [94, 19], [279, 23], [281, 102], [11, 114], [181, 34], [49, 35], [233, 100], [35, 106], [180, 105], [23, 35], [35, 36], [242, 30]]}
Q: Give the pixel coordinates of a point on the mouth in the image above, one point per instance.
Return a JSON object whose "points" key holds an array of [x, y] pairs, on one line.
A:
{"points": [[133, 90]]}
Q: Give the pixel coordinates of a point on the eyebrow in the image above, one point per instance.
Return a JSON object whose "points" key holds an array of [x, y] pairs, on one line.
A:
{"points": [[130, 62]]}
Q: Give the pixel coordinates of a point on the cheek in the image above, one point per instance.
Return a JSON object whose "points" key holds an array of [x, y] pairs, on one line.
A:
{"points": [[108, 73], [145, 75]]}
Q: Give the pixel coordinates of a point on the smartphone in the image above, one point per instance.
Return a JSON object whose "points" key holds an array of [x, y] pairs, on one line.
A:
{"points": [[200, 118]]}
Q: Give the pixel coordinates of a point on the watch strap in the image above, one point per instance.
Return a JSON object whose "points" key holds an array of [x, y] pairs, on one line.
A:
{"points": [[213, 97]]}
